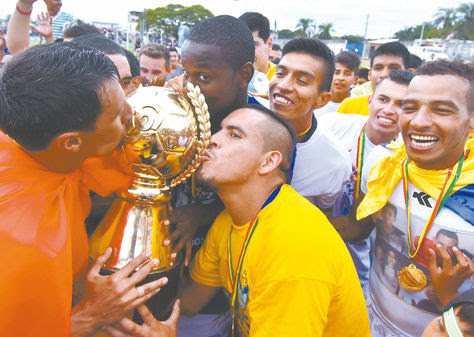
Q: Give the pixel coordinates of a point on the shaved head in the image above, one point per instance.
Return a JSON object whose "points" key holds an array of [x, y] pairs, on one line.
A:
{"points": [[277, 134]]}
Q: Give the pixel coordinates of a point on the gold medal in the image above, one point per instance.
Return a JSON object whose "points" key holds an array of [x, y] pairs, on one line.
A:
{"points": [[412, 279]]}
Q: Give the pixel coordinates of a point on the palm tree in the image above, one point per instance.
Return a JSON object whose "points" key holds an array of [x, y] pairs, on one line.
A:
{"points": [[445, 18], [467, 11], [325, 31], [304, 25], [465, 21]]}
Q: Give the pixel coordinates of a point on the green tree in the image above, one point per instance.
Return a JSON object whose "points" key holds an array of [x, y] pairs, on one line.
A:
{"points": [[445, 18], [465, 21], [169, 18], [353, 38], [414, 32], [286, 34], [325, 31], [405, 34], [304, 25]]}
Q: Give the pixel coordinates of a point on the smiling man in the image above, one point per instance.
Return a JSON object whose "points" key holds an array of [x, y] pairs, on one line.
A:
{"points": [[389, 56], [301, 84], [430, 182], [360, 135]]}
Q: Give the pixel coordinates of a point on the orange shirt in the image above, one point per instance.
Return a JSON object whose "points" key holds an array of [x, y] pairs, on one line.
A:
{"points": [[43, 239]]}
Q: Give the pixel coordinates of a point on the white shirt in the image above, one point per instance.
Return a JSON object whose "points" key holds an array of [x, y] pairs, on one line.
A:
{"points": [[348, 128], [322, 167], [394, 311], [331, 107]]}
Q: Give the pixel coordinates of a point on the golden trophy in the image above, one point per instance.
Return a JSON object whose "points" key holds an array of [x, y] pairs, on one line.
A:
{"points": [[163, 145]]}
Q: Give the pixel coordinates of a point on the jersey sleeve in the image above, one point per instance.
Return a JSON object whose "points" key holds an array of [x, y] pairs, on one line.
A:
{"points": [[205, 267]]}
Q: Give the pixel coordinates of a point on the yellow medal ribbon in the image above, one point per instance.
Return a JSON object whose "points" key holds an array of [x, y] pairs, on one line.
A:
{"points": [[359, 161]]}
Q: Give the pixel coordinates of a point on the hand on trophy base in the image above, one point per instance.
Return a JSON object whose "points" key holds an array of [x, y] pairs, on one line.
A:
{"points": [[108, 298], [151, 326]]}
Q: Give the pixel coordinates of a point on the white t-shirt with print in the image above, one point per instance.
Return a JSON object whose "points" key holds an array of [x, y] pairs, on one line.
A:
{"points": [[394, 311]]}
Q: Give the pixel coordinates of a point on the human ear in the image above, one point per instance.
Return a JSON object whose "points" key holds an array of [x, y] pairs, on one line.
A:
{"points": [[356, 80], [69, 141], [323, 98], [369, 100], [245, 74], [271, 162], [269, 43]]}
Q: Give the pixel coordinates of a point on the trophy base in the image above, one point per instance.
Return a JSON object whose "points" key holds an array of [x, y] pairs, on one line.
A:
{"points": [[162, 303]]}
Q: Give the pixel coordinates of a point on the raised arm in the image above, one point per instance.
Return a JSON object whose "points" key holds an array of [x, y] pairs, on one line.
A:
{"points": [[18, 35]]}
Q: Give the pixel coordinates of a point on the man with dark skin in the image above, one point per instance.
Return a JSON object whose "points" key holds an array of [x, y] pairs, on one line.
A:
{"points": [[218, 57]]}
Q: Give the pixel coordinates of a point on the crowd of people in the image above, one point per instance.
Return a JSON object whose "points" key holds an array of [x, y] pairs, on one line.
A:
{"points": [[326, 204]]}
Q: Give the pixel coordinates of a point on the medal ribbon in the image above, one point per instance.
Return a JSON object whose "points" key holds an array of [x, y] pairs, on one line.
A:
{"points": [[359, 161], [443, 196], [305, 131], [253, 225]]}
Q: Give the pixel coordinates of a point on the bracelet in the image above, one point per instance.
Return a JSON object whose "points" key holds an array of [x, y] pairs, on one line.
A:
{"points": [[24, 13]]}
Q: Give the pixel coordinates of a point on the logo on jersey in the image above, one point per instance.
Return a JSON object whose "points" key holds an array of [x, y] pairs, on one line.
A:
{"points": [[243, 291], [422, 198]]}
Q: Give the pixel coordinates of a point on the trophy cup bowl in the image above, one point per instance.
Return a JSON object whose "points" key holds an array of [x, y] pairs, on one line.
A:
{"points": [[163, 146]]}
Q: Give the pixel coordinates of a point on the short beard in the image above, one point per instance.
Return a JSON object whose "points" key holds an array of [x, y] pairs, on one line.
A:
{"points": [[209, 184]]}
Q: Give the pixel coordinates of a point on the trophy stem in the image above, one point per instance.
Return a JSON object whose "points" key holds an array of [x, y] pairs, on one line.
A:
{"points": [[131, 228]]}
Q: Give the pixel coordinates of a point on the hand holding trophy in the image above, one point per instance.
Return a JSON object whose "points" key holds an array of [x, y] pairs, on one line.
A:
{"points": [[163, 145]]}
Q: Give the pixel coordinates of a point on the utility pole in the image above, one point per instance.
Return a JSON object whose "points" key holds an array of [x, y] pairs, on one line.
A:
{"points": [[366, 26], [422, 31], [365, 52]]}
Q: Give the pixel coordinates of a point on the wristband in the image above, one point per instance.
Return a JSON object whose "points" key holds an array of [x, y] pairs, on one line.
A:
{"points": [[21, 12], [451, 325]]}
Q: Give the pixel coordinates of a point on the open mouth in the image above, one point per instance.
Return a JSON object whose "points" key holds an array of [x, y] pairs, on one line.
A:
{"points": [[281, 100], [423, 141], [386, 121]]}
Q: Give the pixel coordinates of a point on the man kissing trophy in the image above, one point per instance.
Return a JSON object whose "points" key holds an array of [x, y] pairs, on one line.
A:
{"points": [[163, 147]]}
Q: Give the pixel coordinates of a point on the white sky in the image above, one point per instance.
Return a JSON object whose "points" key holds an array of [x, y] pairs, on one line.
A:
{"points": [[347, 16]]}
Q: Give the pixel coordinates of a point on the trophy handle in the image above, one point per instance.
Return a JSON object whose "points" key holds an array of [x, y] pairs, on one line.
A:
{"points": [[204, 126]]}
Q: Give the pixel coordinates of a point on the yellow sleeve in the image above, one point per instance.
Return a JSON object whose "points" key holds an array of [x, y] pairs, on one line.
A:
{"points": [[355, 105], [205, 267], [343, 107], [289, 308]]}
